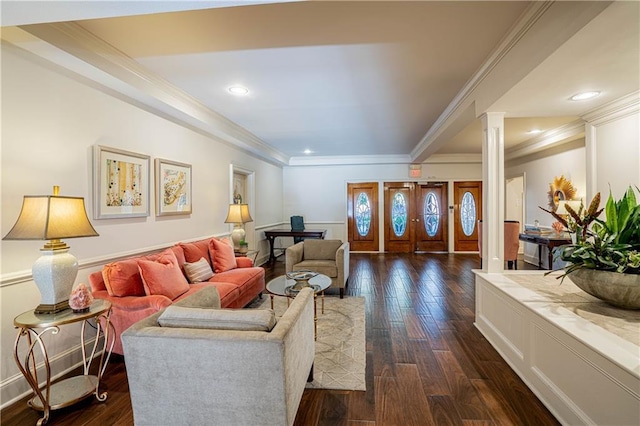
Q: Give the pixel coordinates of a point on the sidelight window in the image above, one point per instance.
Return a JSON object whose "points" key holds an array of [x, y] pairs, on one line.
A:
{"points": [[363, 214]]}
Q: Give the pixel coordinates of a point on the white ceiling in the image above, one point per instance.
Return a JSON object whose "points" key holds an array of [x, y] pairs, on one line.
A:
{"points": [[363, 78]]}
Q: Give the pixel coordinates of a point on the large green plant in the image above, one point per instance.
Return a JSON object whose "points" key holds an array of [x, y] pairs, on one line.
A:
{"points": [[612, 244]]}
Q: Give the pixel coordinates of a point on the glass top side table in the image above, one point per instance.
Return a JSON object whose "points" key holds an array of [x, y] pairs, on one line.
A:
{"points": [[69, 391]]}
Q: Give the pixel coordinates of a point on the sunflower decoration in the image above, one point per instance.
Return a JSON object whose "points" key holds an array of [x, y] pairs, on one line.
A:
{"points": [[560, 189]]}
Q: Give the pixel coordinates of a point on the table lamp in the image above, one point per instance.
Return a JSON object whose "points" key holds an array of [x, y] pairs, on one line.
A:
{"points": [[52, 217], [562, 207], [238, 215]]}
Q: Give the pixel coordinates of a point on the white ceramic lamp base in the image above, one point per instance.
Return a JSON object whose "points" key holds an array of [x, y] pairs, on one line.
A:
{"points": [[237, 235], [54, 273]]}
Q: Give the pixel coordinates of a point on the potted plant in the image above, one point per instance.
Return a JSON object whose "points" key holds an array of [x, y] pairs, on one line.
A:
{"points": [[243, 247], [604, 259]]}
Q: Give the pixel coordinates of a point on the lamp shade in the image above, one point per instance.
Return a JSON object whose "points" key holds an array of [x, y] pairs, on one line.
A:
{"points": [[238, 213], [562, 206], [51, 217]]}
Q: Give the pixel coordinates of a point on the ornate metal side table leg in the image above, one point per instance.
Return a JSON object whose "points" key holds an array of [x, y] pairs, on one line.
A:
{"points": [[30, 372]]}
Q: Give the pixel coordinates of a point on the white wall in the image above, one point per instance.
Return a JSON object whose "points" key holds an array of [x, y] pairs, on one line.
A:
{"points": [[617, 149], [319, 193], [539, 171], [49, 125]]}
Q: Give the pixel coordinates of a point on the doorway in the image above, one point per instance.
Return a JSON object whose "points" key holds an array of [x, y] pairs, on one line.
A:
{"points": [[514, 203], [242, 191], [415, 217]]}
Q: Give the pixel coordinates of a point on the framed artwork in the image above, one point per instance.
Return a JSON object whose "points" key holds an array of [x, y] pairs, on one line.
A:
{"points": [[173, 188], [121, 183]]}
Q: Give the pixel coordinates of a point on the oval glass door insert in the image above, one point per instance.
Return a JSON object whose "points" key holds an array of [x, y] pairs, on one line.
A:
{"points": [[431, 214], [363, 214], [468, 213], [399, 214]]}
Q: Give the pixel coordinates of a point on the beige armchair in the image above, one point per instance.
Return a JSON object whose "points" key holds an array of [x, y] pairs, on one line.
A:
{"points": [[328, 257], [199, 374]]}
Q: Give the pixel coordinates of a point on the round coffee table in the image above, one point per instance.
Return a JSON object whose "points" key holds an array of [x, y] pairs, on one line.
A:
{"points": [[280, 286]]}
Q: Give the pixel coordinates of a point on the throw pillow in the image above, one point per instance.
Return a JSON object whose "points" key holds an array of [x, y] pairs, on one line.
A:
{"points": [[199, 271], [123, 278], [218, 319], [196, 250], [163, 276], [224, 259]]}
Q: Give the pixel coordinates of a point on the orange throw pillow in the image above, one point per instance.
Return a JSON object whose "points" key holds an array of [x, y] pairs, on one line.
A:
{"points": [[123, 278], [196, 250], [163, 276], [224, 259]]}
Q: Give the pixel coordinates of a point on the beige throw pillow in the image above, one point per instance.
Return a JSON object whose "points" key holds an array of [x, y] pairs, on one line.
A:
{"points": [[199, 271], [218, 319]]}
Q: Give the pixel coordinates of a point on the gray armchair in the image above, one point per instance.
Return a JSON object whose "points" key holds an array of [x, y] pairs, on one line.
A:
{"points": [[180, 375], [328, 257]]}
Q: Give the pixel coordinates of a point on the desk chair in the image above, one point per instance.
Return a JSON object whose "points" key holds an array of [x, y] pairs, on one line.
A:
{"points": [[297, 224]]}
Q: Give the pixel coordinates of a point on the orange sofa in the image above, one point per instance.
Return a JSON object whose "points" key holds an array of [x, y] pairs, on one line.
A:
{"points": [[141, 286]]}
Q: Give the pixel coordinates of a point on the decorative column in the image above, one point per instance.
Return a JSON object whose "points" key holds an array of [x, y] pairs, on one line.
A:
{"points": [[493, 192]]}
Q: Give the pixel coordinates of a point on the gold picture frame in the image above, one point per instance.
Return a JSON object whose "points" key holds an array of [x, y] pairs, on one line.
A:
{"points": [[121, 183], [173, 188]]}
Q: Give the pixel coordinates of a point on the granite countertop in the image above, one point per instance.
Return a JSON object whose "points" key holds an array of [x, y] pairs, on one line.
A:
{"points": [[622, 322]]}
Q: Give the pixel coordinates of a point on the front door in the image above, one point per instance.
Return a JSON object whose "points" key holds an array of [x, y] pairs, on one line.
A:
{"points": [[415, 217], [432, 217], [362, 216], [467, 212]]}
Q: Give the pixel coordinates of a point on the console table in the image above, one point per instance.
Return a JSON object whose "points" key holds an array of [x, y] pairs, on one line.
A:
{"points": [[74, 389], [307, 233], [550, 241]]}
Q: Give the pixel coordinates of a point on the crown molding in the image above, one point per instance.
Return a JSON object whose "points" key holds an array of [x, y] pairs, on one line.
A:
{"points": [[346, 160], [531, 16], [454, 159], [138, 83], [549, 139], [615, 110]]}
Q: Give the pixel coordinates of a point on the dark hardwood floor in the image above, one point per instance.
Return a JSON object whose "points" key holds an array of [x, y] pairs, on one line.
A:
{"points": [[426, 362]]}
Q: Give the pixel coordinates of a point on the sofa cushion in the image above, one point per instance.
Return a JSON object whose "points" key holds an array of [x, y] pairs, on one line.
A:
{"points": [[204, 297], [228, 292], [163, 276], [199, 271], [219, 319], [123, 278], [321, 249], [196, 250], [224, 258], [325, 267]]}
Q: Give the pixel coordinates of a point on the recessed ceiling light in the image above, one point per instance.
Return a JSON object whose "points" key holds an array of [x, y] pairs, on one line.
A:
{"points": [[584, 96], [308, 151], [238, 90], [535, 131]]}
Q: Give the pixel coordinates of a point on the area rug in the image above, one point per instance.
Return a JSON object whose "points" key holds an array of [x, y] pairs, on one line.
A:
{"points": [[340, 347]]}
